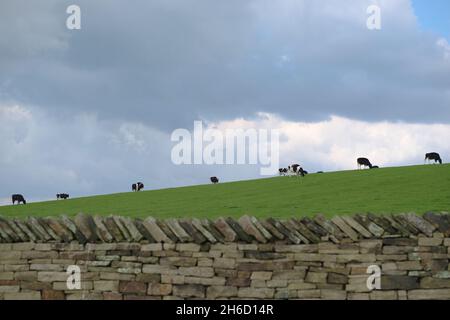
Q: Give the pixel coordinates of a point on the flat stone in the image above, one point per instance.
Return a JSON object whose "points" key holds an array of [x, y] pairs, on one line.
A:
{"points": [[168, 231], [284, 231], [305, 232], [439, 221], [206, 234], [228, 233], [242, 235], [143, 231], [261, 228], [158, 289], [102, 231], [189, 291], [403, 231], [86, 225], [209, 225], [271, 228], [257, 293], [132, 287], [291, 228], [421, 224], [383, 223], [368, 224], [113, 229], [341, 224], [48, 294], [17, 231], [331, 228], [197, 236], [400, 242], [218, 292], [22, 226], [62, 232], [6, 232], [356, 226], [178, 230], [38, 230], [248, 227], [133, 231], [431, 294], [69, 224], [123, 230], [155, 231]]}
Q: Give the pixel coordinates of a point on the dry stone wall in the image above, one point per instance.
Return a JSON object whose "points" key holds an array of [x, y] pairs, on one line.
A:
{"points": [[248, 258]]}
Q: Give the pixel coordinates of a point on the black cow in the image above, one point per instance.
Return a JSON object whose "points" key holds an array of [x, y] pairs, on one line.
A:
{"points": [[18, 198], [214, 180], [363, 162], [433, 156], [62, 196]]}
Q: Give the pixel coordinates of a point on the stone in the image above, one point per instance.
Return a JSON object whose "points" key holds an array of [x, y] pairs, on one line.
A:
{"points": [[228, 233], [316, 277], [258, 293], [25, 229], [106, 285], [132, 287], [123, 230], [369, 225], [59, 230], [52, 295], [113, 229], [337, 278], [410, 242], [409, 265], [329, 294], [434, 283], [158, 289], [271, 228], [102, 231], [26, 295], [214, 281], [131, 228], [346, 229], [178, 231], [439, 221], [432, 242], [208, 235], [70, 225], [179, 261], [330, 227], [242, 235], [197, 236], [206, 272], [37, 229], [224, 263], [17, 231], [356, 226], [419, 223], [308, 294], [248, 227], [189, 291], [430, 294], [209, 225], [192, 247], [292, 237], [218, 292], [383, 295], [305, 232], [86, 225], [261, 275]]}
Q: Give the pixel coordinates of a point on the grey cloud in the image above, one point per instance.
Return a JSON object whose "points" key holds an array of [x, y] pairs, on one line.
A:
{"points": [[169, 62]]}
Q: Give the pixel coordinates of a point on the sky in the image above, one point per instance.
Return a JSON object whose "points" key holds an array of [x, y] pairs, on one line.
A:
{"points": [[91, 111]]}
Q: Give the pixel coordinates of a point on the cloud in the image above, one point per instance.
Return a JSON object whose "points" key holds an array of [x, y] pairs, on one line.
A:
{"points": [[166, 64]]}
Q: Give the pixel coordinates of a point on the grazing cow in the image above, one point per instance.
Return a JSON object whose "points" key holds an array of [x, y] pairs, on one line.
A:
{"points": [[137, 186], [363, 162], [283, 171], [62, 196], [214, 180], [19, 198], [433, 156], [295, 169]]}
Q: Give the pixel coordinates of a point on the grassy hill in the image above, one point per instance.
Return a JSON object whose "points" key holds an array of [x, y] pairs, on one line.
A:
{"points": [[389, 190]]}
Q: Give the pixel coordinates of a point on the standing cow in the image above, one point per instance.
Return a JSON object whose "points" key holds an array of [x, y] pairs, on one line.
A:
{"points": [[62, 196], [214, 180], [137, 186], [18, 198], [363, 162]]}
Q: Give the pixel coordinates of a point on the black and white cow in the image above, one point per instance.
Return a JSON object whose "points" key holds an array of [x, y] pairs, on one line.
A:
{"points": [[62, 196], [363, 162], [137, 186], [283, 171], [18, 198], [296, 170], [433, 156]]}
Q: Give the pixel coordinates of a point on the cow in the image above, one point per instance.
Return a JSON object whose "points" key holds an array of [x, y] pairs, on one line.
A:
{"points": [[295, 169], [214, 180], [363, 162], [283, 171], [433, 156], [18, 198], [137, 186], [62, 196]]}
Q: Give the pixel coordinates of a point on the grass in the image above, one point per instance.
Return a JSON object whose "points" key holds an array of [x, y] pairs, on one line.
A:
{"points": [[389, 190]]}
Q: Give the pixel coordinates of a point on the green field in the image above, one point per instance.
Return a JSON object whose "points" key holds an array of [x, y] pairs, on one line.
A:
{"points": [[390, 190]]}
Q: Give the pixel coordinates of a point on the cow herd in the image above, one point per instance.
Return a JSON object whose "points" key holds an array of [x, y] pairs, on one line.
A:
{"points": [[292, 170]]}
